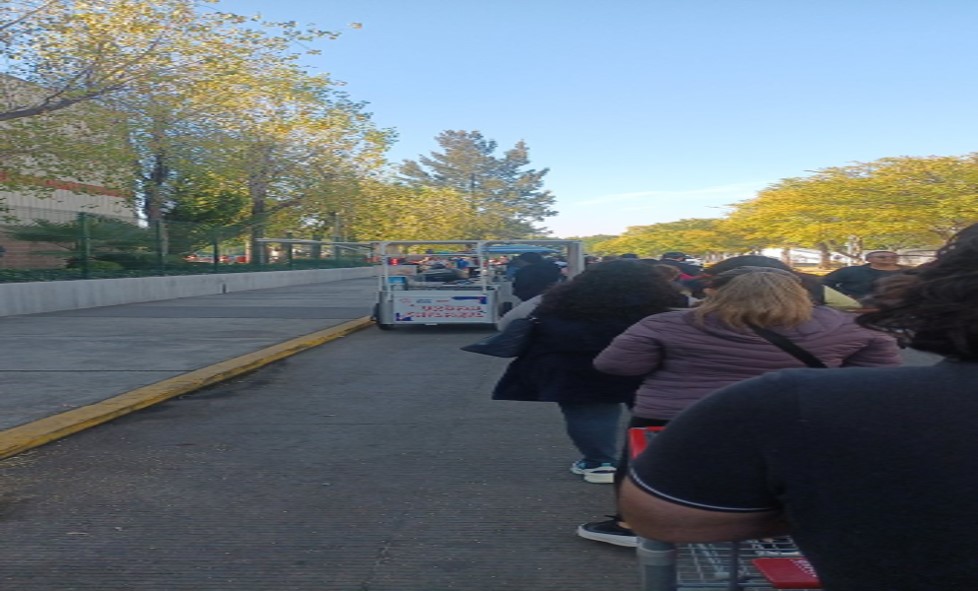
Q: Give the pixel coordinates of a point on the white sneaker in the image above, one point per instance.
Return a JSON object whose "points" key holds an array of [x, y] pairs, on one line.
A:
{"points": [[603, 474]]}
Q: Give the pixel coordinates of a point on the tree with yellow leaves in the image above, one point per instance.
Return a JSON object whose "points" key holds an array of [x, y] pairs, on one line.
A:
{"points": [[888, 204], [80, 50], [703, 236], [199, 94]]}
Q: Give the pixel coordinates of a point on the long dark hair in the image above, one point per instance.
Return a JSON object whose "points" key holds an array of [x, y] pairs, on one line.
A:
{"points": [[936, 304], [623, 289]]}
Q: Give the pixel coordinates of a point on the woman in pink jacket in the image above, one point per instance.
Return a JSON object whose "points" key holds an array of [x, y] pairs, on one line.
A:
{"points": [[686, 355]]}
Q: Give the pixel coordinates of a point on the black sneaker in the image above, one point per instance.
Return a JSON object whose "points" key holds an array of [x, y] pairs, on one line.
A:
{"points": [[609, 532]]}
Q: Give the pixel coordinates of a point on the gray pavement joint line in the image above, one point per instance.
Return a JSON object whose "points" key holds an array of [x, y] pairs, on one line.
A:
{"points": [[34, 434]]}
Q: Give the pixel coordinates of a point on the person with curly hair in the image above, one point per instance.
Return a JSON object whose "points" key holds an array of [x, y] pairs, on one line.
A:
{"points": [[872, 471], [576, 320]]}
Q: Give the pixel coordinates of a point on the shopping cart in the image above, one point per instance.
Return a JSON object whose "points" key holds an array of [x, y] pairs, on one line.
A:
{"points": [[751, 565]]}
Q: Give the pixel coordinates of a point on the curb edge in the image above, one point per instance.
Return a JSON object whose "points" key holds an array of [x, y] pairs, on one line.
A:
{"points": [[37, 433]]}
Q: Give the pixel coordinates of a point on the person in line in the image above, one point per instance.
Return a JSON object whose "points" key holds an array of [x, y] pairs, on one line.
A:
{"points": [[672, 275], [536, 277], [678, 260], [820, 293], [521, 260], [686, 355], [576, 320], [857, 281], [871, 471]]}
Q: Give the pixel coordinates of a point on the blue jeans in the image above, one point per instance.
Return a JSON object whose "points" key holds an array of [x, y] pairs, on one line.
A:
{"points": [[594, 428]]}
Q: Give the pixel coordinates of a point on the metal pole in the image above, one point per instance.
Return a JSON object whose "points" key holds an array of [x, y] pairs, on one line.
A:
{"points": [[657, 565], [317, 249], [336, 235], [290, 253], [85, 245], [160, 255]]}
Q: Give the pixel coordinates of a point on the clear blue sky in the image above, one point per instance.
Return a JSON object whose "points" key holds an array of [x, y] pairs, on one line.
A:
{"points": [[649, 111]]}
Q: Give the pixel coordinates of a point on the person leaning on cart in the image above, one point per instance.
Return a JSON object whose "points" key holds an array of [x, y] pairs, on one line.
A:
{"points": [[873, 471]]}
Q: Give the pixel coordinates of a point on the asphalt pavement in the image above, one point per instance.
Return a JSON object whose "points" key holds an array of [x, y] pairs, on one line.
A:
{"points": [[375, 462], [275, 440]]}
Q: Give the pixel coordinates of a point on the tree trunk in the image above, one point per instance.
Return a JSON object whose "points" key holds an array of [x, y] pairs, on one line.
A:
{"points": [[258, 182], [259, 253], [153, 191], [855, 247], [825, 261]]}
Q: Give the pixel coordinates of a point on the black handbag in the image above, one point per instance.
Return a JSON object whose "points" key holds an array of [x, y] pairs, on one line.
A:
{"points": [[512, 341]]}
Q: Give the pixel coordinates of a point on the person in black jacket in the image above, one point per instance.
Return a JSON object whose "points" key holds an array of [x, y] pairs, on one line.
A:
{"points": [[678, 260], [576, 320], [858, 281], [536, 277]]}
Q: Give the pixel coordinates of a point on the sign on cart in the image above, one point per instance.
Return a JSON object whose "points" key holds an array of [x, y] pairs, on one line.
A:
{"points": [[447, 308]]}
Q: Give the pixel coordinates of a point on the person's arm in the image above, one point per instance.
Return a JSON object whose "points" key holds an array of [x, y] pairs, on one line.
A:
{"points": [[709, 475], [882, 351], [522, 310], [658, 519], [834, 278], [632, 353]]}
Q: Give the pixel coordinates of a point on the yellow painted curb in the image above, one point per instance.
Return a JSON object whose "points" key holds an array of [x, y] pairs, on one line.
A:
{"points": [[24, 437]]}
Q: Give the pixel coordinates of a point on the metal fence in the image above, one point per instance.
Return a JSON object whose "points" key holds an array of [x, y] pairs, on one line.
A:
{"points": [[46, 244]]}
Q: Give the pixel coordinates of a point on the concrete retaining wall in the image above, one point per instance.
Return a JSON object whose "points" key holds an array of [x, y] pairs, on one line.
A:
{"points": [[50, 296]]}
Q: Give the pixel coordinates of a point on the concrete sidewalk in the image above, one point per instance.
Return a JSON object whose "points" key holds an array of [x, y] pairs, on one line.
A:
{"points": [[61, 372]]}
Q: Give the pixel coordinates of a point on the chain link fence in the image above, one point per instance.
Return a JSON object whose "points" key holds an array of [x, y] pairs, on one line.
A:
{"points": [[49, 244]]}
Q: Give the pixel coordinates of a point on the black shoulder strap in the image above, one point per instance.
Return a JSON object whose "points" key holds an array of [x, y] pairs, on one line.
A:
{"points": [[788, 346]]}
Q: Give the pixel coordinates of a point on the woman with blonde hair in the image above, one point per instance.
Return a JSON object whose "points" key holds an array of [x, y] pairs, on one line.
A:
{"points": [[758, 296], [753, 320]]}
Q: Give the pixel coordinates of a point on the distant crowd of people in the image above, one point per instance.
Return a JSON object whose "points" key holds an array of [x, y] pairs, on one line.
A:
{"points": [[788, 412]]}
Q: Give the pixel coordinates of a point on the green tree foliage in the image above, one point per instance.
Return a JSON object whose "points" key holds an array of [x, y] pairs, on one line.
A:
{"points": [[890, 203], [203, 210], [81, 51], [292, 155], [84, 145], [590, 242], [703, 236], [387, 211], [198, 93], [507, 198]]}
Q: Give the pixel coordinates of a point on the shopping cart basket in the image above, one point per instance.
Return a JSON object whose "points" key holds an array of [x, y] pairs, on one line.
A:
{"points": [[751, 565]]}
